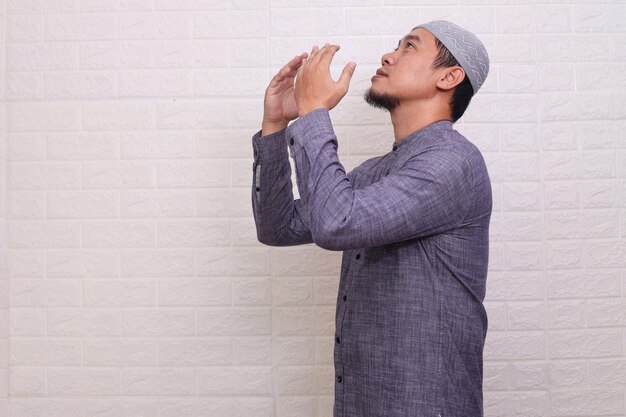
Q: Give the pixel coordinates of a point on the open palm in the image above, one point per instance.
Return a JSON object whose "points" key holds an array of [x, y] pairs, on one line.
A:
{"points": [[280, 104]]}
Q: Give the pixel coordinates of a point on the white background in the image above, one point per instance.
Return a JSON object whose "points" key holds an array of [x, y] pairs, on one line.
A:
{"points": [[132, 282]]}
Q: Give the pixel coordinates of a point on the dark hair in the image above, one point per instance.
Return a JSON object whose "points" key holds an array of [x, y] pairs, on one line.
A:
{"points": [[463, 92]]}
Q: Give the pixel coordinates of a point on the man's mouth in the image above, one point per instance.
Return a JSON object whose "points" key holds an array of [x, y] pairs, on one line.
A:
{"points": [[379, 74]]}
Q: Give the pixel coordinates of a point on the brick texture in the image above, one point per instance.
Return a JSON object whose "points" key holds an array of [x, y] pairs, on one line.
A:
{"points": [[131, 280], [4, 215]]}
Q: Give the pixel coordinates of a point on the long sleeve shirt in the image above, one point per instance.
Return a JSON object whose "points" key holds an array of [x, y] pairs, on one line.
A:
{"points": [[413, 226]]}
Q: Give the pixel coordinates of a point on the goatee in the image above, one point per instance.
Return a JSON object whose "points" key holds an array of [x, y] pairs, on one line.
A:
{"points": [[381, 100]]}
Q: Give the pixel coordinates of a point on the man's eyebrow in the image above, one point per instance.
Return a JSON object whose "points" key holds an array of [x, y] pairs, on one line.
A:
{"points": [[415, 38]]}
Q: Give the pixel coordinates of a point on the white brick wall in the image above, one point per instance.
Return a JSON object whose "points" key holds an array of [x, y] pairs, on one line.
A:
{"points": [[4, 281], [131, 281]]}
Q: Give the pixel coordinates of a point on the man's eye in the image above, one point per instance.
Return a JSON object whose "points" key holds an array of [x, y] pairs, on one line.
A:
{"points": [[410, 45]]}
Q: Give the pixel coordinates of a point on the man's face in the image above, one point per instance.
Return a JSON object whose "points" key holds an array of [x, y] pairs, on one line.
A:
{"points": [[407, 73]]}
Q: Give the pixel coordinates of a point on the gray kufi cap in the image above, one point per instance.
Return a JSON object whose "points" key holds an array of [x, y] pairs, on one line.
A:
{"points": [[465, 47]]}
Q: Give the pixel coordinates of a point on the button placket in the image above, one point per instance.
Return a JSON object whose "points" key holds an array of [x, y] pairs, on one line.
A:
{"points": [[358, 256], [342, 308]]}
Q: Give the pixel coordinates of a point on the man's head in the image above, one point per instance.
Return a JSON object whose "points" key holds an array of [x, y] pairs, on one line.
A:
{"points": [[436, 59]]}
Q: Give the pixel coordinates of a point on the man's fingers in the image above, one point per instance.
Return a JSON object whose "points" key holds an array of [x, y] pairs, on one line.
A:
{"points": [[314, 51], [290, 67], [346, 75], [327, 53], [296, 62]]}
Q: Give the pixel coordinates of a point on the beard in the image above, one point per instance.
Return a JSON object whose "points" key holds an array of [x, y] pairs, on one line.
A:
{"points": [[381, 100]]}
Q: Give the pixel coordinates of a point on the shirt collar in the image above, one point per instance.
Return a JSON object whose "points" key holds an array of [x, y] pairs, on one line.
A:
{"points": [[423, 133]]}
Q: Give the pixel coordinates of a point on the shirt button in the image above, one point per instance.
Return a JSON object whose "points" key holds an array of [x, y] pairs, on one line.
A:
{"points": [[339, 379], [291, 141], [358, 256], [258, 188], [337, 339], [345, 297]]}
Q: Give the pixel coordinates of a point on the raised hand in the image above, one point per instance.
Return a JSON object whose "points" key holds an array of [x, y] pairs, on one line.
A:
{"points": [[315, 87], [279, 106]]}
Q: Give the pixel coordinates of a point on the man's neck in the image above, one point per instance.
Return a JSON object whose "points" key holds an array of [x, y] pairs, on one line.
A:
{"points": [[410, 119]]}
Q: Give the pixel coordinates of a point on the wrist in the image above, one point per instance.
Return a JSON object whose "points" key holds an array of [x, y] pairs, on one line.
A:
{"points": [[267, 128], [304, 110]]}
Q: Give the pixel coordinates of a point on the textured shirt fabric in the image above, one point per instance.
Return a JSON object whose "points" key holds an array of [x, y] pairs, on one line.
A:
{"points": [[413, 226]]}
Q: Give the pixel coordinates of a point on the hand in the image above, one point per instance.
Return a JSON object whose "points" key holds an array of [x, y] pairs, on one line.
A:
{"points": [[315, 87], [279, 106]]}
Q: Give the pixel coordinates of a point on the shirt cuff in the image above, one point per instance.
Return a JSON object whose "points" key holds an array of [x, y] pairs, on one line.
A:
{"points": [[270, 147], [309, 128]]}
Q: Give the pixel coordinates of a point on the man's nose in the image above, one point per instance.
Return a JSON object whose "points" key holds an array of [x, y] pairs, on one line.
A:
{"points": [[388, 58]]}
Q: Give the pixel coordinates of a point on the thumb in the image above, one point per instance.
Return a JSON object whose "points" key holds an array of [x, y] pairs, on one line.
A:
{"points": [[346, 74]]}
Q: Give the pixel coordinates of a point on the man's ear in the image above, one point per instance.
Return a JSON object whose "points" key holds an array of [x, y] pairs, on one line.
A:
{"points": [[450, 78]]}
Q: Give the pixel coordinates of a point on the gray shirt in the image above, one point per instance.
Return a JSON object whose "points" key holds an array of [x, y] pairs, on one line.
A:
{"points": [[414, 228]]}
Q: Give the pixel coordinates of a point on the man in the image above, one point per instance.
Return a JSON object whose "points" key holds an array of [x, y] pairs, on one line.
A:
{"points": [[413, 224]]}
